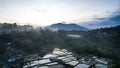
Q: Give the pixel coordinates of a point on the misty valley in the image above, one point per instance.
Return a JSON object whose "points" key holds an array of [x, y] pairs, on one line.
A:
{"points": [[23, 46], [59, 33]]}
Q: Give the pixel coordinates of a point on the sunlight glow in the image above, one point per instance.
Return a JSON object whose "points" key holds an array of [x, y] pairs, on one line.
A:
{"points": [[46, 12]]}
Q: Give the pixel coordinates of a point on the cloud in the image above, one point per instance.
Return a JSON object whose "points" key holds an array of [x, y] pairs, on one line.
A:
{"points": [[112, 20]]}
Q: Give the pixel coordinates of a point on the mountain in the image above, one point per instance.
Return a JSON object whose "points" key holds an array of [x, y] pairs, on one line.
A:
{"points": [[112, 20], [61, 26]]}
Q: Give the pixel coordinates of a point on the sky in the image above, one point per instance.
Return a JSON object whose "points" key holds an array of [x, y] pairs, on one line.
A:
{"points": [[46, 12]]}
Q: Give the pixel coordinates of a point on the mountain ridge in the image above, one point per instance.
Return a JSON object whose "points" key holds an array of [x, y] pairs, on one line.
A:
{"points": [[62, 26]]}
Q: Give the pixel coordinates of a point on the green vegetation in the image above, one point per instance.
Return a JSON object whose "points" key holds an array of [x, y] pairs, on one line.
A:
{"points": [[103, 42]]}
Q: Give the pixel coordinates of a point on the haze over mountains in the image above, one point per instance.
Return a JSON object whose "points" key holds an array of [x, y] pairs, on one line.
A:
{"points": [[112, 20]]}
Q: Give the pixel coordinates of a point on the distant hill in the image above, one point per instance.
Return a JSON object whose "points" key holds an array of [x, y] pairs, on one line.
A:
{"points": [[61, 26]]}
